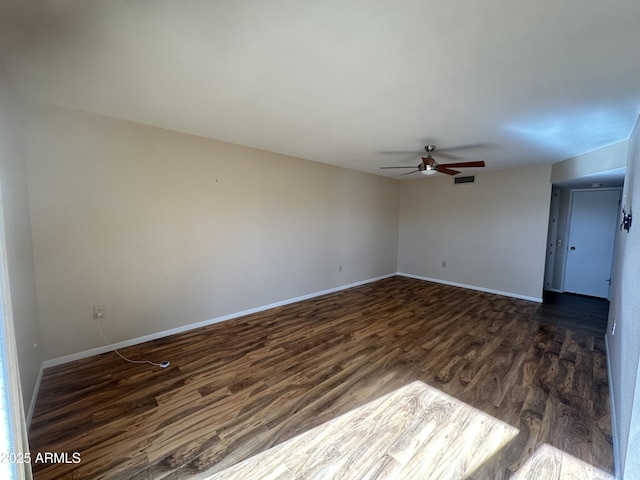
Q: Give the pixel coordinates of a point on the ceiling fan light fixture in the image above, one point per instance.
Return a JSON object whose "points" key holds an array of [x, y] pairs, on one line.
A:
{"points": [[429, 166]]}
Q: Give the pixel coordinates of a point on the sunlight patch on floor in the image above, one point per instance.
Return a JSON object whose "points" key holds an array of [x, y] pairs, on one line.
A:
{"points": [[551, 463], [414, 432]]}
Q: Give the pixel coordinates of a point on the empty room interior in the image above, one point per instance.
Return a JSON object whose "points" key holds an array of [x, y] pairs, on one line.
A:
{"points": [[333, 240]]}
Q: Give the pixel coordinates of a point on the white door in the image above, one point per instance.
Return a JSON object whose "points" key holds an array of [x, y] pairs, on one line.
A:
{"points": [[592, 232]]}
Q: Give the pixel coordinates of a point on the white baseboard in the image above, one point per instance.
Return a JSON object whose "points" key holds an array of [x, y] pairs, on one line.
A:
{"points": [[612, 407], [154, 336], [473, 287]]}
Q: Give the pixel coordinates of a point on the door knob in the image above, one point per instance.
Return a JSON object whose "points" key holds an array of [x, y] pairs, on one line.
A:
{"points": [[573, 248]]}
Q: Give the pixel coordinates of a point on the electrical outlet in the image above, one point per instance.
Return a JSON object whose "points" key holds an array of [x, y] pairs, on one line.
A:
{"points": [[613, 328], [98, 312], [339, 268], [444, 264]]}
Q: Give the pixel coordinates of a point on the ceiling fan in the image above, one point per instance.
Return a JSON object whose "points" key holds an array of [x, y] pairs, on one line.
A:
{"points": [[429, 166]]}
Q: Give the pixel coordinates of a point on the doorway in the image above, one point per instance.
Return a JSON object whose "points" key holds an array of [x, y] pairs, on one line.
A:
{"points": [[582, 311], [591, 240]]}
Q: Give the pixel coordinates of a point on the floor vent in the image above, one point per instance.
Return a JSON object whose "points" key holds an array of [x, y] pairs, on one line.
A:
{"points": [[468, 179]]}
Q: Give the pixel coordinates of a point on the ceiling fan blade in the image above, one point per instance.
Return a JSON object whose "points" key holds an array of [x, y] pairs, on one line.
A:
{"points": [[479, 163], [396, 167], [448, 171], [408, 173]]}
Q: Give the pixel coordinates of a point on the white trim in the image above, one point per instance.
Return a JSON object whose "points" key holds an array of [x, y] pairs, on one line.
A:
{"points": [[473, 287], [154, 336], [18, 441], [612, 407]]}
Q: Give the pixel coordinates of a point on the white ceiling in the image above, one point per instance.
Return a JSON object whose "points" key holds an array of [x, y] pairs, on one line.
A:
{"points": [[343, 82]]}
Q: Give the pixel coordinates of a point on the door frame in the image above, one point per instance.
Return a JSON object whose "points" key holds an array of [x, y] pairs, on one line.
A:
{"points": [[551, 252]]}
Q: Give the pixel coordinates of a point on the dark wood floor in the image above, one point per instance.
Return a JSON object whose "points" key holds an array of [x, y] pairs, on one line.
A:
{"points": [[579, 313], [316, 390]]}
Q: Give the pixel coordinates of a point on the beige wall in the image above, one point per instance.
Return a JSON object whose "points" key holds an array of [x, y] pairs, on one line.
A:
{"points": [[601, 160], [18, 239], [491, 234], [167, 229], [623, 345]]}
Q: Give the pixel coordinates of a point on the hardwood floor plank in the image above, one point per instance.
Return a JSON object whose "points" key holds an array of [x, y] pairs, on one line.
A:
{"points": [[577, 313], [583, 375], [544, 464], [399, 378], [529, 434]]}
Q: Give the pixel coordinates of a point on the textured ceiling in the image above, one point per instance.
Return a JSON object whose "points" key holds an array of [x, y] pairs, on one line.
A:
{"points": [[359, 84]]}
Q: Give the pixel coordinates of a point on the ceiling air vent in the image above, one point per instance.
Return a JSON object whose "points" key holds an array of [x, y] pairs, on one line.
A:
{"points": [[468, 179]]}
